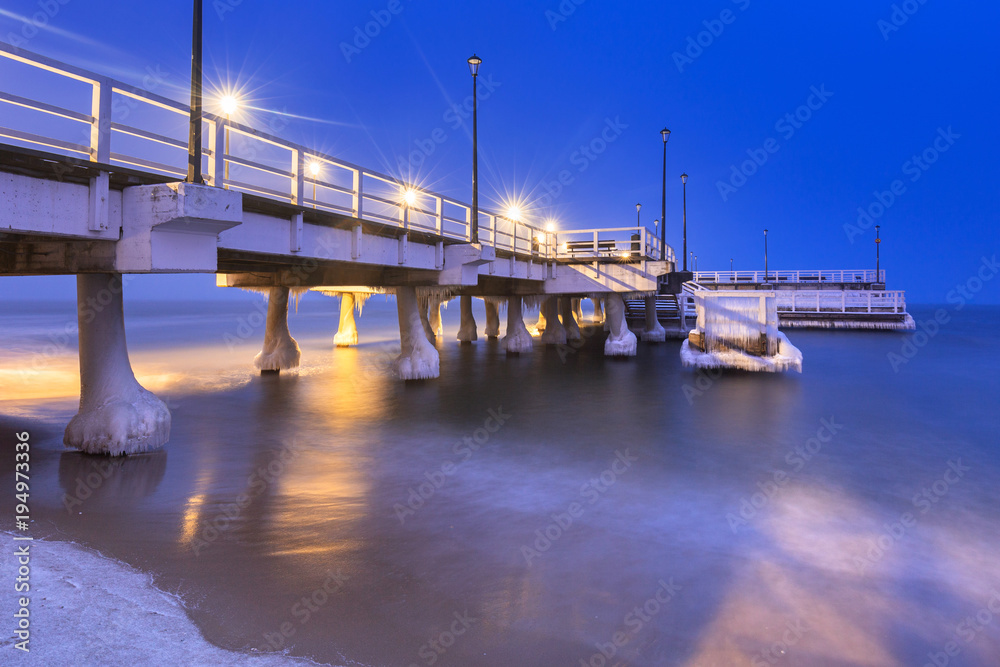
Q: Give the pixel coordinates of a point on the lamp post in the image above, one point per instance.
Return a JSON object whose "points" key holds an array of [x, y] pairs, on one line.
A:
{"points": [[878, 242], [684, 181], [229, 107], [474, 63], [638, 218], [194, 136], [731, 265], [665, 133], [695, 267], [765, 256]]}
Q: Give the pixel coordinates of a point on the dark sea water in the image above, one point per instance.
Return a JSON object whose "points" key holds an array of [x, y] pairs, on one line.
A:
{"points": [[625, 512]]}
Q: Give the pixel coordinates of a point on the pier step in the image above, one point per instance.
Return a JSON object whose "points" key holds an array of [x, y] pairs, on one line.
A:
{"points": [[667, 309]]}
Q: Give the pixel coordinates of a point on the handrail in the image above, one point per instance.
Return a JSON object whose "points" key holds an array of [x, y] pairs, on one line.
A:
{"points": [[831, 276]]}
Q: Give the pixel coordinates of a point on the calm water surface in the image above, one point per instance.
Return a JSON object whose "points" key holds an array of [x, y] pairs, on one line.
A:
{"points": [[629, 509]]}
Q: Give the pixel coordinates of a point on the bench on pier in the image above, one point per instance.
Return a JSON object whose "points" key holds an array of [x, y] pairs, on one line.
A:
{"points": [[577, 247]]}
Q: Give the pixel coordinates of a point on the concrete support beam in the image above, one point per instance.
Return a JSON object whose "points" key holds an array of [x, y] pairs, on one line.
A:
{"points": [[621, 342], [462, 263], [175, 227], [518, 339], [347, 331], [467, 331], [418, 359], [280, 351], [117, 415]]}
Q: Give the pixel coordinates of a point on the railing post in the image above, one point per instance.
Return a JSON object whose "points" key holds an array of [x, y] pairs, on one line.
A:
{"points": [[793, 300], [596, 254], [843, 301], [869, 301], [468, 224], [358, 196], [100, 152], [298, 177], [217, 158], [439, 215]]}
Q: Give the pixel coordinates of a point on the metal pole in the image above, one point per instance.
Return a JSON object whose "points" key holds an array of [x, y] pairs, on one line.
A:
{"points": [[663, 210], [765, 256], [474, 227], [685, 223], [194, 139], [878, 259], [225, 157]]}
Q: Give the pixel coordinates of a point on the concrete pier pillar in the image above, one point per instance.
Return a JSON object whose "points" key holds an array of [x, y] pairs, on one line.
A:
{"points": [[654, 331], [467, 329], [280, 351], [422, 308], [434, 317], [598, 310], [347, 332], [578, 310], [117, 415], [555, 332], [418, 358], [569, 318], [542, 322], [518, 339], [621, 342], [492, 319]]}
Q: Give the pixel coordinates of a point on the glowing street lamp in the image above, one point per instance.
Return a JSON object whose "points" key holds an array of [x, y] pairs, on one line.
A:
{"points": [[514, 213], [638, 220], [314, 168], [765, 256], [230, 105], [410, 197], [878, 242], [474, 63]]}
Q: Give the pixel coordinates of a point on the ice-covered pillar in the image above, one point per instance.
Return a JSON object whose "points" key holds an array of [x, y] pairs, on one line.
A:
{"points": [[555, 333], [517, 339], [578, 310], [418, 358], [117, 415], [598, 310], [434, 317], [467, 329], [422, 308], [280, 351], [654, 331], [541, 323], [492, 319], [347, 332], [569, 318], [621, 342]]}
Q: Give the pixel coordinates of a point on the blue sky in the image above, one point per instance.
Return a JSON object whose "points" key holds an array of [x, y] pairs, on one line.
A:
{"points": [[867, 92]]}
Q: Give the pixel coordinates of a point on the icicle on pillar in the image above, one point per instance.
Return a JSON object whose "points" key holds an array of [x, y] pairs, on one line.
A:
{"points": [[555, 332], [423, 305], [492, 319], [434, 317], [467, 329], [280, 352], [578, 310], [517, 339], [418, 359], [540, 325], [347, 332], [654, 332], [569, 319], [117, 415], [621, 342]]}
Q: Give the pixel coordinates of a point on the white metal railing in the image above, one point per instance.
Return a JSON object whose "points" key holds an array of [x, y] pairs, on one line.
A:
{"points": [[242, 158], [841, 301], [862, 276], [610, 243]]}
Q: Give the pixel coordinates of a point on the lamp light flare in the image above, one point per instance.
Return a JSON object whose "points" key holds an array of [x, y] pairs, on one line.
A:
{"points": [[410, 197], [514, 213], [314, 168], [230, 105]]}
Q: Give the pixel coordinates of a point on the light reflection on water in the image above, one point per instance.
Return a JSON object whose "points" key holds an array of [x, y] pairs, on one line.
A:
{"points": [[326, 456]]}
